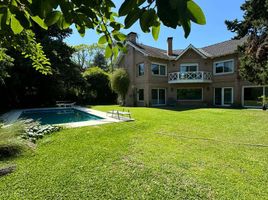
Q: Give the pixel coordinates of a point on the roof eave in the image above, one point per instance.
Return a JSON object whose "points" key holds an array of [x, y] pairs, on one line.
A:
{"points": [[195, 49], [226, 54], [137, 48]]}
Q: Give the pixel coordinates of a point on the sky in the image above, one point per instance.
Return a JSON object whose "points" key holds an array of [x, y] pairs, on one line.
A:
{"points": [[216, 12]]}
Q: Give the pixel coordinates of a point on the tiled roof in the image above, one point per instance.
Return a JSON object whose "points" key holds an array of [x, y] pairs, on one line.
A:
{"points": [[224, 48], [154, 52], [216, 50]]}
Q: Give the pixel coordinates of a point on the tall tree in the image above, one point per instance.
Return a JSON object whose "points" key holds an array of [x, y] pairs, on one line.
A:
{"points": [[254, 52], [27, 87], [84, 54], [100, 61]]}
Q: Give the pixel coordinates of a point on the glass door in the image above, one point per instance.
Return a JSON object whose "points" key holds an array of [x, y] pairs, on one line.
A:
{"points": [[154, 96], [158, 96], [223, 96], [218, 96], [228, 96], [162, 97]]}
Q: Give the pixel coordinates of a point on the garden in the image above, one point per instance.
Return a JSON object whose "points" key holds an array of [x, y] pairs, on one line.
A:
{"points": [[206, 153], [166, 152]]}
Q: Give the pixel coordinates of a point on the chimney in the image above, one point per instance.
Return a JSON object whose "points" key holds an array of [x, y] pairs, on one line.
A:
{"points": [[169, 49], [132, 36]]}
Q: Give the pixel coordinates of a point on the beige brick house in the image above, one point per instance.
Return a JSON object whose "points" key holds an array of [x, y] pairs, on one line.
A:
{"points": [[193, 76]]}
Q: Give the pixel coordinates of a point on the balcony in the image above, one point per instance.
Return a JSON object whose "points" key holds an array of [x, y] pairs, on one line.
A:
{"points": [[190, 77]]}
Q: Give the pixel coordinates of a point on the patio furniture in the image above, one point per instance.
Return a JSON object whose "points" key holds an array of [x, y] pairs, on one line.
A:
{"points": [[65, 104], [120, 115]]}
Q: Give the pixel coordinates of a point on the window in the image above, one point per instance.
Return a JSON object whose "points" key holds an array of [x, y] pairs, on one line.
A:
{"points": [[252, 95], [140, 95], [140, 69], [195, 94], [159, 69], [189, 67], [224, 67], [223, 96]]}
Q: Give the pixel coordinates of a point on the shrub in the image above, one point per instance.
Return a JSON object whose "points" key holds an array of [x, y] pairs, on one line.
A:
{"points": [[11, 143], [120, 83], [98, 89]]}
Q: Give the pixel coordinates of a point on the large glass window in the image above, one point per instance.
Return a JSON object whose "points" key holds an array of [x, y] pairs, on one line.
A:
{"points": [[224, 67], [140, 69], [223, 96], [140, 95], [252, 95], [158, 96], [159, 69], [189, 94], [188, 68]]}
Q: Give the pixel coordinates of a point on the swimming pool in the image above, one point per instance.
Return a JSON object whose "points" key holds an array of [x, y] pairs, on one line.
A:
{"points": [[58, 116]]}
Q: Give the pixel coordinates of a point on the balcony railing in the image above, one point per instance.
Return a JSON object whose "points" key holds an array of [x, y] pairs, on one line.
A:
{"points": [[190, 77]]}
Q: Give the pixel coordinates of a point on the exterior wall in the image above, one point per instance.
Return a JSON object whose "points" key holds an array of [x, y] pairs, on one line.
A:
{"points": [[191, 57], [150, 81], [130, 62]]}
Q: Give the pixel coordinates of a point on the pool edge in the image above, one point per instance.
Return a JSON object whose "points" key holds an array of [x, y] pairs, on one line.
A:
{"points": [[13, 115]]}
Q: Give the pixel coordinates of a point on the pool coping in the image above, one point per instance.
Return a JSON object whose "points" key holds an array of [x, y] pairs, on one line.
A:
{"points": [[13, 115]]}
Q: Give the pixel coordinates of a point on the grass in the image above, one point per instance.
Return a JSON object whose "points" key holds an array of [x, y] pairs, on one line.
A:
{"points": [[10, 143], [164, 154]]}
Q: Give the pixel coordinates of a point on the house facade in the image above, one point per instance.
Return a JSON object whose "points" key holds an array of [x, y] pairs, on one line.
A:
{"points": [[193, 76]]}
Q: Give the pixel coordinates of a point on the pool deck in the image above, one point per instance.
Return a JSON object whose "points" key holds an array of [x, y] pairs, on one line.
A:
{"points": [[13, 115]]}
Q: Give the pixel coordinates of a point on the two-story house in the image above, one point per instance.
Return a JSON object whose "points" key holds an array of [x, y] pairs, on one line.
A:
{"points": [[191, 76]]}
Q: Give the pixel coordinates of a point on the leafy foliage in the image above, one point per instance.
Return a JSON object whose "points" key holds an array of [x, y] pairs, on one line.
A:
{"points": [[254, 53], [5, 63], [20, 15], [27, 87], [11, 143], [26, 44], [84, 55], [120, 83], [98, 89], [100, 61]]}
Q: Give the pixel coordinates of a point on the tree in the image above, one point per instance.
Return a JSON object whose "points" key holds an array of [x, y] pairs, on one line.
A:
{"points": [[27, 87], [84, 54], [120, 83], [254, 53], [5, 63], [16, 16], [98, 89], [100, 61]]}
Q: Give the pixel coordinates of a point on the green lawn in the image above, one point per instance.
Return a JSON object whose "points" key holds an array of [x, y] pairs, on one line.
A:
{"points": [[164, 154]]}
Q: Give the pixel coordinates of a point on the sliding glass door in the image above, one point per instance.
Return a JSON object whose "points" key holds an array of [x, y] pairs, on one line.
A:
{"points": [[223, 96], [252, 94], [158, 96]]}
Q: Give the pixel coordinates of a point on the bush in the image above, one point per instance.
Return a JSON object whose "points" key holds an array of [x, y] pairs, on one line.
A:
{"points": [[120, 83], [98, 89], [11, 143]]}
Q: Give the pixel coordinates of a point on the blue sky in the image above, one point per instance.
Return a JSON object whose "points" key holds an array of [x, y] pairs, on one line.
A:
{"points": [[216, 11]]}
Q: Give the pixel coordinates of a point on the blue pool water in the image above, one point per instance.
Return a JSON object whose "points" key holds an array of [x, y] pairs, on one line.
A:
{"points": [[58, 116]]}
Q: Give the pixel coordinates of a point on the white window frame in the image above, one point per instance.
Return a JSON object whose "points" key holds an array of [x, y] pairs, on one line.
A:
{"points": [[154, 63], [138, 96], [222, 61], [158, 96], [252, 86], [202, 98], [138, 70], [190, 64], [222, 95]]}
